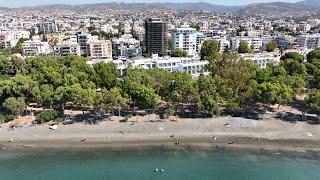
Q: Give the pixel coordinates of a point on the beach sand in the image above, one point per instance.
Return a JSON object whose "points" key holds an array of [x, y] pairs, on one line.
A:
{"points": [[268, 134]]}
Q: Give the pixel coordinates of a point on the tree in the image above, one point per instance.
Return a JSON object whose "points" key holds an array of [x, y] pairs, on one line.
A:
{"points": [[116, 100], [244, 47], [314, 56], [208, 95], [313, 100], [15, 106], [106, 75], [294, 56], [294, 67], [271, 46], [92, 28], [46, 116], [195, 25], [219, 62], [24, 86], [81, 98], [18, 47], [60, 98], [181, 89], [275, 93], [44, 96], [99, 103], [210, 49], [145, 97], [169, 43], [179, 53]]}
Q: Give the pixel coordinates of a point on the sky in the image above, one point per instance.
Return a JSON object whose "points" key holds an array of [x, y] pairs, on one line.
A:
{"points": [[19, 3]]}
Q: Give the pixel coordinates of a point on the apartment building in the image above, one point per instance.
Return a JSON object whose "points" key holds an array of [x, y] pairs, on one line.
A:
{"points": [[127, 46], [47, 27], [256, 44], [66, 48], [99, 49], [36, 47], [191, 65], [185, 38], [310, 41], [285, 42], [82, 40], [263, 59]]}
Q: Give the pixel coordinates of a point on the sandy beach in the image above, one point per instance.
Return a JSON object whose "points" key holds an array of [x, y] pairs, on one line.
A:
{"points": [[268, 134]]}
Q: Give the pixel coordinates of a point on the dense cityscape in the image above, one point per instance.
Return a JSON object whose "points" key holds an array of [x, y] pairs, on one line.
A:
{"points": [[160, 90], [132, 37]]}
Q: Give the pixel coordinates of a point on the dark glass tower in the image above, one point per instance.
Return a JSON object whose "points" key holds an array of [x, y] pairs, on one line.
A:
{"points": [[156, 36]]}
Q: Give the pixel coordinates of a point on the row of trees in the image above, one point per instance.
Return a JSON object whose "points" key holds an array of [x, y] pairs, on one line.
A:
{"points": [[59, 83], [242, 83]]}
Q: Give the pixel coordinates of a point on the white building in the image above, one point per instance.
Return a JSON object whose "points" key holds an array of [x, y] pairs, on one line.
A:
{"points": [[256, 44], [285, 42], [108, 28], [99, 49], [215, 33], [33, 48], [82, 39], [313, 22], [185, 38], [263, 59], [73, 39], [309, 41], [191, 65], [66, 48], [48, 27], [304, 27], [127, 28], [127, 46], [200, 38], [9, 39]]}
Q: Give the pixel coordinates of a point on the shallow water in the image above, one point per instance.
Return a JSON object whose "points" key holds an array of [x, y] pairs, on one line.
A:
{"points": [[131, 165]]}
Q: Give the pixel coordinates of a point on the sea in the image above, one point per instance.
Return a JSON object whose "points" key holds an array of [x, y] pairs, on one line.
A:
{"points": [[157, 164]]}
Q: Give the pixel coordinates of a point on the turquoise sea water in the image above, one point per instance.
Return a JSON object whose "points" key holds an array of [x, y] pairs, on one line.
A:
{"points": [[139, 165]]}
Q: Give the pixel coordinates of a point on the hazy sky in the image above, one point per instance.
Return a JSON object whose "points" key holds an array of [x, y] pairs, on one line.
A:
{"points": [[19, 3]]}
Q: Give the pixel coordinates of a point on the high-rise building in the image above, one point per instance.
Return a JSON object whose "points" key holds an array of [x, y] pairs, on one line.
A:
{"points": [[155, 36], [185, 38]]}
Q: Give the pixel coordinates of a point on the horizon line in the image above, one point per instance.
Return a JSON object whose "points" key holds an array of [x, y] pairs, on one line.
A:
{"points": [[121, 2]]}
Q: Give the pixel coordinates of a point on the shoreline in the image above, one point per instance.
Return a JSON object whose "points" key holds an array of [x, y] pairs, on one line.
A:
{"points": [[291, 146]]}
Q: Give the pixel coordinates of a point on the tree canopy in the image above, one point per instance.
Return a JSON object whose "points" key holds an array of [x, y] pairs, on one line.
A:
{"points": [[179, 53], [209, 49], [244, 47], [59, 83], [271, 46]]}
